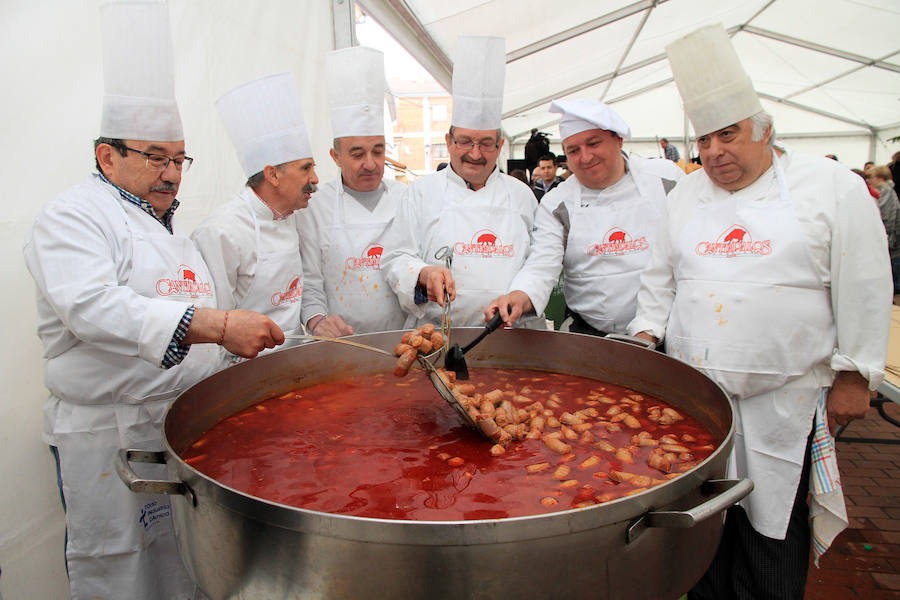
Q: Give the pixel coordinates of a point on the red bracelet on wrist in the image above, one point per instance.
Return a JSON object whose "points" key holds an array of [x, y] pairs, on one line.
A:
{"points": [[224, 325]]}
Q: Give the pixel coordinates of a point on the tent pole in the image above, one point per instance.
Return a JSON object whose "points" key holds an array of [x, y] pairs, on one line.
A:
{"points": [[343, 13]]}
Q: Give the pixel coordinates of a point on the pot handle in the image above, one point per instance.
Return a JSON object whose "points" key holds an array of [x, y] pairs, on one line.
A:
{"points": [[728, 492], [148, 486], [631, 339]]}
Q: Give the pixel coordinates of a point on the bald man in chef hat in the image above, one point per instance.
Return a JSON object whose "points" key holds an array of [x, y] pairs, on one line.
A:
{"points": [[770, 274], [471, 209], [598, 226], [127, 315], [250, 243], [342, 231]]}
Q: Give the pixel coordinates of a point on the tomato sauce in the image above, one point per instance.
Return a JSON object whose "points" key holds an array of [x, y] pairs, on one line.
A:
{"points": [[383, 447]]}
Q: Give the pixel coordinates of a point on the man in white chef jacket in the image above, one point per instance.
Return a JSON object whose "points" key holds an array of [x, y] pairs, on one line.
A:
{"points": [[771, 274], [250, 244], [342, 231], [121, 298], [598, 226], [483, 216]]}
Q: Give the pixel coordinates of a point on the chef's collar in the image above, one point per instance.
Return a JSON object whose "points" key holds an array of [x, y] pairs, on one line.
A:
{"points": [[165, 220], [263, 209]]}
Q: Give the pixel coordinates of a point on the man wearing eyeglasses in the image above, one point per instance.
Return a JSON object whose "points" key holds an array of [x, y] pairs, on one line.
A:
{"points": [[484, 216], [128, 319]]}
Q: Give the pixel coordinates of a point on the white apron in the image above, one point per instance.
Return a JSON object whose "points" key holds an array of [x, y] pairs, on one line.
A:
{"points": [[751, 311], [351, 268], [606, 251], [123, 545], [277, 286], [489, 243]]}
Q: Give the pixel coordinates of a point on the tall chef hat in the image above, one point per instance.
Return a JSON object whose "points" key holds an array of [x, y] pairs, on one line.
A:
{"points": [[711, 80], [479, 67], [584, 114], [265, 123], [138, 72], [356, 87]]}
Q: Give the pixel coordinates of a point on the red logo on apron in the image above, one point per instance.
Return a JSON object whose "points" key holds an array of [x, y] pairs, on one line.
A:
{"points": [[617, 242], [292, 294], [734, 241], [369, 261], [185, 285], [486, 244]]}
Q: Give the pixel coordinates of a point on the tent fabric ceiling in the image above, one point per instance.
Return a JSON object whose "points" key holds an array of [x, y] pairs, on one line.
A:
{"points": [[821, 66]]}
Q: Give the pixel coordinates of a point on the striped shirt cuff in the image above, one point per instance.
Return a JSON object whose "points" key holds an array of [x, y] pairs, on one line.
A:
{"points": [[176, 353]]}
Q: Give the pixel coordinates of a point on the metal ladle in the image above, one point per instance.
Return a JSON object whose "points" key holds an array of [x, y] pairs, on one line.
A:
{"points": [[424, 360]]}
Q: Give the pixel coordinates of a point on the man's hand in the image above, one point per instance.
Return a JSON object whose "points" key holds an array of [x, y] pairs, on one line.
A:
{"points": [[248, 333], [245, 333], [647, 337], [517, 300], [328, 326], [848, 399], [436, 280]]}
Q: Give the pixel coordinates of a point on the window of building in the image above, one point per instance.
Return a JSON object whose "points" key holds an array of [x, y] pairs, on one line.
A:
{"points": [[439, 151]]}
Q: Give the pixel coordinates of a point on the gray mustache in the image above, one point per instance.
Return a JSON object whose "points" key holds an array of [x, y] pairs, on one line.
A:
{"points": [[164, 187], [310, 188]]}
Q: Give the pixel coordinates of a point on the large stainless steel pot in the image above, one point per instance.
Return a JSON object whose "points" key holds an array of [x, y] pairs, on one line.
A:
{"points": [[653, 545]]}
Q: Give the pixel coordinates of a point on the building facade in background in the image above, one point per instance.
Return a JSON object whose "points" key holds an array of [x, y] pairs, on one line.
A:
{"points": [[423, 119]]}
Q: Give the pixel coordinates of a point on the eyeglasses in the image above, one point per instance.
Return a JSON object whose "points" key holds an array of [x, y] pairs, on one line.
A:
{"points": [[483, 145], [159, 162]]}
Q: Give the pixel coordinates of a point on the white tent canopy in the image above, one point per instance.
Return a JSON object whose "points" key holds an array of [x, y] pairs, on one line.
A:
{"points": [[826, 70]]}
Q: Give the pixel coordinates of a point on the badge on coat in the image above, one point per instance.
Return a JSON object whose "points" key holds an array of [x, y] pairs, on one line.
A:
{"points": [[734, 241], [484, 243], [185, 283], [292, 293], [369, 261], [618, 242]]}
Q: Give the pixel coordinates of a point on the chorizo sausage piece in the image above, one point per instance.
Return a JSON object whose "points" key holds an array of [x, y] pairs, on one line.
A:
{"points": [[437, 339], [427, 329], [405, 362], [556, 445], [489, 427], [400, 348], [494, 396]]}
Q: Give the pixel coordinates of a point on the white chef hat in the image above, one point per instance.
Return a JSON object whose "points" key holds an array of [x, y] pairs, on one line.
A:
{"points": [[584, 114], [265, 123], [138, 72], [714, 87], [356, 87], [479, 67]]}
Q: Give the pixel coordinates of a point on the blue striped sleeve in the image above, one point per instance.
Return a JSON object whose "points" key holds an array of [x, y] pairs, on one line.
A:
{"points": [[176, 353]]}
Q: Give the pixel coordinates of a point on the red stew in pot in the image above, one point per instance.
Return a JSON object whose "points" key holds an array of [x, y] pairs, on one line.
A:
{"points": [[378, 446]]}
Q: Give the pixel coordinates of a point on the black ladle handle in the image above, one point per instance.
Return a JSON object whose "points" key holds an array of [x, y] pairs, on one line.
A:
{"points": [[491, 326]]}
